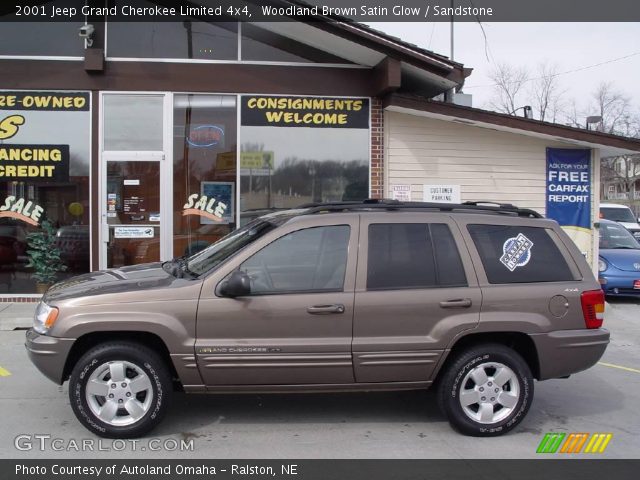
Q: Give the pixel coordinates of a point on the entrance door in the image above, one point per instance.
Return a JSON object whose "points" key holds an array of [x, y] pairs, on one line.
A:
{"points": [[133, 230], [135, 182]]}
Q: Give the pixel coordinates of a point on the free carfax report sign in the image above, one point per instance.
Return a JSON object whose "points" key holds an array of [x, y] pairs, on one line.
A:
{"points": [[568, 193]]}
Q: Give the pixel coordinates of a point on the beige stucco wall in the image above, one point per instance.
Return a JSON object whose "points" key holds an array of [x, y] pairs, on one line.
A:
{"points": [[488, 164]]}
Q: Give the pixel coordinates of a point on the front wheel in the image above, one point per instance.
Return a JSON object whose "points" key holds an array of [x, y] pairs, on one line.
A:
{"points": [[486, 390], [120, 390]]}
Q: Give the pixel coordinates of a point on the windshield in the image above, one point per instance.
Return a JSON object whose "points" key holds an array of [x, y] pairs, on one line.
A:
{"points": [[216, 253], [617, 214], [616, 236]]}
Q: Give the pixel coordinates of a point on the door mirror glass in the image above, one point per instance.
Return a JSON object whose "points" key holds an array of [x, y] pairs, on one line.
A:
{"points": [[237, 285]]}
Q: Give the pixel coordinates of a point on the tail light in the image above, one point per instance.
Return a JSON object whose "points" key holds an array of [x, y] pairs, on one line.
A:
{"points": [[593, 308]]}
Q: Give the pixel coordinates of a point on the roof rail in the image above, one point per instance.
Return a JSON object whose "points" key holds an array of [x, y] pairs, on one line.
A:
{"points": [[389, 204]]}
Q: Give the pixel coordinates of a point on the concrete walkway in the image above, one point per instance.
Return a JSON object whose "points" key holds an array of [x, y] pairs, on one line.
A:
{"points": [[16, 315]]}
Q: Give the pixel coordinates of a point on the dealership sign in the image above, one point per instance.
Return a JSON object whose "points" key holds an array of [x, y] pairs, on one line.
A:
{"points": [[313, 112]]}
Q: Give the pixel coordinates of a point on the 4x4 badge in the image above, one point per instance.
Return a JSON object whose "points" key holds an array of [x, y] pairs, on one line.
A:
{"points": [[636, 266], [516, 252]]}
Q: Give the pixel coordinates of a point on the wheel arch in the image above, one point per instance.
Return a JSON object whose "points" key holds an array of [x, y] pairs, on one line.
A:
{"points": [[520, 342], [89, 340]]}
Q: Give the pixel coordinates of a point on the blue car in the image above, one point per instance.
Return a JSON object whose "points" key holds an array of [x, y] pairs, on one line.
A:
{"points": [[619, 262]]}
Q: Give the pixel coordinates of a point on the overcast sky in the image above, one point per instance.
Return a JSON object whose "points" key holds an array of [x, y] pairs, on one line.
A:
{"points": [[571, 46]]}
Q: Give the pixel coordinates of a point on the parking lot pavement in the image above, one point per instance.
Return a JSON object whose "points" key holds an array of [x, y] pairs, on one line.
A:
{"points": [[378, 425], [16, 315]]}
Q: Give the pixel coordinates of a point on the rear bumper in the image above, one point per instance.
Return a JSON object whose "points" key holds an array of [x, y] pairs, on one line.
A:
{"points": [[48, 354], [564, 352]]}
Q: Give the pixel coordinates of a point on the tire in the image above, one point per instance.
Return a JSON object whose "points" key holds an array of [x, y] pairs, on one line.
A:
{"points": [[472, 401], [140, 394]]}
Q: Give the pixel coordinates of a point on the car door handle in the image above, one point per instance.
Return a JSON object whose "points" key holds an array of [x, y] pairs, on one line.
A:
{"points": [[457, 303], [325, 309]]}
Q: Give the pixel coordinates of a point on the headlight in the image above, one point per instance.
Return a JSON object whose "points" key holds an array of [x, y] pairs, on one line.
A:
{"points": [[44, 318], [602, 265]]}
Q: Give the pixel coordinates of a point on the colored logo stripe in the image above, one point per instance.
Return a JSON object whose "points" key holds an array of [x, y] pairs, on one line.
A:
{"points": [[598, 443], [4, 372], [550, 442], [574, 443]]}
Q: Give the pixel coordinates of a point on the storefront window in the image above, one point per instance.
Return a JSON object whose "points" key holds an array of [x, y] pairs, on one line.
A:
{"points": [[261, 42], [133, 122], [297, 150], [204, 156], [59, 39], [186, 39], [44, 175]]}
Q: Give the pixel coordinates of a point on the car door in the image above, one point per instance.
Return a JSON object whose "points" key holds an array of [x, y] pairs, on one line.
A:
{"points": [[296, 325], [415, 291]]}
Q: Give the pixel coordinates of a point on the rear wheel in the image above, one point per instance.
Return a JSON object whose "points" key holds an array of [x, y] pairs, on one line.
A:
{"points": [[486, 390], [120, 390]]}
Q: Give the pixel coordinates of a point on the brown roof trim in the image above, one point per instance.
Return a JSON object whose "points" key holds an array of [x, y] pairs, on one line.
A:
{"points": [[510, 121]]}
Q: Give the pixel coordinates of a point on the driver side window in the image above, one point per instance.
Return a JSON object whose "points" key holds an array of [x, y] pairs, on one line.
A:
{"points": [[309, 260]]}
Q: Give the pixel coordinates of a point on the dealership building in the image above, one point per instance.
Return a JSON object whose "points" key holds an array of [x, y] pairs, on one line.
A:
{"points": [[151, 140]]}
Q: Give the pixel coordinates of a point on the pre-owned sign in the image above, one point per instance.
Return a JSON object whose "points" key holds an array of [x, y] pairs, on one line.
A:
{"points": [[47, 101]]}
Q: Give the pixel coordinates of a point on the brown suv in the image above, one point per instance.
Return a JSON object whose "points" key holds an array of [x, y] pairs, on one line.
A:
{"points": [[476, 299]]}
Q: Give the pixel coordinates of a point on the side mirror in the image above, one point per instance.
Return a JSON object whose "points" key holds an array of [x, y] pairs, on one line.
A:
{"points": [[237, 285]]}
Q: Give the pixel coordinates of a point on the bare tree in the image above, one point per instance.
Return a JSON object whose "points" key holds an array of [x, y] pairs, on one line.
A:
{"points": [[509, 82], [615, 109], [547, 96]]}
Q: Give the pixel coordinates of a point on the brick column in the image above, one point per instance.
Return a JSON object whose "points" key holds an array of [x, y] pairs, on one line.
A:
{"points": [[377, 149]]}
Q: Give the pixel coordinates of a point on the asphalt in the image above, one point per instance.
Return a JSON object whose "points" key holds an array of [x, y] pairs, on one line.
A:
{"points": [[603, 399]]}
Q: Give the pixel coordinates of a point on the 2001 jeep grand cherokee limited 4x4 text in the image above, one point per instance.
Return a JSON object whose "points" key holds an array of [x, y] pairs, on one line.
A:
{"points": [[478, 300]]}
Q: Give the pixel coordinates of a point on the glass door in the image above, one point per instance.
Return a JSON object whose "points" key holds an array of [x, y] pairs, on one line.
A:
{"points": [[132, 212], [135, 180]]}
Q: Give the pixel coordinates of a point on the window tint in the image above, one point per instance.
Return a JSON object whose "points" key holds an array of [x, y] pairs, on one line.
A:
{"points": [[513, 254], [310, 260], [412, 255]]}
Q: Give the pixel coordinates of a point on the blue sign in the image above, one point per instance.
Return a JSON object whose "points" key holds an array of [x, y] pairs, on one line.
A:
{"points": [[569, 186], [223, 192]]}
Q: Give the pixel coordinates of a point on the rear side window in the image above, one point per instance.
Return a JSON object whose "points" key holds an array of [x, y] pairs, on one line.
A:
{"points": [[413, 255], [513, 254]]}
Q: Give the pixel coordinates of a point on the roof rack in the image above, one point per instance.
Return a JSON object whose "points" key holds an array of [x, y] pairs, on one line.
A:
{"points": [[388, 204]]}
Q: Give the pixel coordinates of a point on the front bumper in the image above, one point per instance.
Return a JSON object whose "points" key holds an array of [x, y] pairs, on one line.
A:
{"points": [[48, 354], [565, 352]]}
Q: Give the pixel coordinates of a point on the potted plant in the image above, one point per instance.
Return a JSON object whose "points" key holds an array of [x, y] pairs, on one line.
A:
{"points": [[44, 256]]}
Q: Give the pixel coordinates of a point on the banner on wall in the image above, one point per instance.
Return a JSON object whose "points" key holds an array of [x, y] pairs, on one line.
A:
{"points": [[568, 193], [312, 112]]}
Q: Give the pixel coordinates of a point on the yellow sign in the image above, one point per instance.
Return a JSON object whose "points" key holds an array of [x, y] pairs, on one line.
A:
{"points": [[256, 160], [226, 161]]}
